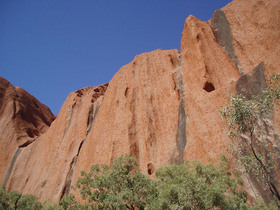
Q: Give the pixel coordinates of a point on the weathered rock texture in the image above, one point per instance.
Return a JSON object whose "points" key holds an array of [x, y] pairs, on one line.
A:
{"points": [[22, 119], [163, 107], [45, 167]]}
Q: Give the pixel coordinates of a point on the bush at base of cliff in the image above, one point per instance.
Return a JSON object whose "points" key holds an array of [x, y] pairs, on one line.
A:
{"points": [[187, 186], [14, 200], [197, 186], [121, 187]]}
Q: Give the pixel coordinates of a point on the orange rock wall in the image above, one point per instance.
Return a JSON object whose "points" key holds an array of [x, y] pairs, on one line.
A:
{"points": [[162, 108], [45, 167]]}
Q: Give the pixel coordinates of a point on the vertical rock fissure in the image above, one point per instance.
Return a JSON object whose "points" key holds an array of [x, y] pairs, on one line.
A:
{"points": [[181, 139], [11, 166], [223, 34], [68, 181]]}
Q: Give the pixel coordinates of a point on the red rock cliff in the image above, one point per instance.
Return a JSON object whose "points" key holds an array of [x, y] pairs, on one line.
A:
{"points": [[163, 107], [22, 118]]}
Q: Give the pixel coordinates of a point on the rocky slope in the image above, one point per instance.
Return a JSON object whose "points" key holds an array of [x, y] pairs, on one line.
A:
{"points": [[163, 107], [22, 118]]}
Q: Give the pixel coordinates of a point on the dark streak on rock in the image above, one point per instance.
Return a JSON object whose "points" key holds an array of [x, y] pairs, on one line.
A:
{"points": [[68, 123], [134, 146], [90, 118], [181, 138], [223, 34], [95, 113], [11, 166], [68, 180], [248, 85]]}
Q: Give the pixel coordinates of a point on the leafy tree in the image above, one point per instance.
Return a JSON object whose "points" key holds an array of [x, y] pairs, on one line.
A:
{"points": [[8, 200], [187, 186], [14, 200], [29, 202], [246, 118], [121, 187], [196, 186], [69, 202]]}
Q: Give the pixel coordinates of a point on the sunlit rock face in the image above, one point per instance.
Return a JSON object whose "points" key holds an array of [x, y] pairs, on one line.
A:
{"points": [[162, 108]]}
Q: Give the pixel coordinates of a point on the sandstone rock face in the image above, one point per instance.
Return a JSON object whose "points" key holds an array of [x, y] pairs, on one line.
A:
{"points": [[45, 167], [163, 107], [256, 33], [139, 115], [22, 118], [208, 76]]}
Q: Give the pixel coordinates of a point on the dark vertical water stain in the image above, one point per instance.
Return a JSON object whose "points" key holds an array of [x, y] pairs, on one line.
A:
{"points": [[68, 181], [181, 138], [223, 34], [68, 123], [11, 166]]}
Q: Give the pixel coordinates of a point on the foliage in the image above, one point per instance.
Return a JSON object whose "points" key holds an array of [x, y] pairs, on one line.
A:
{"points": [[69, 202], [8, 200], [192, 185], [14, 200], [197, 186], [244, 114], [122, 186], [246, 118], [187, 186]]}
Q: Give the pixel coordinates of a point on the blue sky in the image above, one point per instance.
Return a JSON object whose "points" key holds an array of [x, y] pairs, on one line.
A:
{"points": [[53, 47]]}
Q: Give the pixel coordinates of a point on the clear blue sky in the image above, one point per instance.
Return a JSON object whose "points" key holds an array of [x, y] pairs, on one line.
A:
{"points": [[53, 47]]}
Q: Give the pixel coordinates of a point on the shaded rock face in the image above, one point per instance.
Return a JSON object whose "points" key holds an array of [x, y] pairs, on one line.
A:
{"points": [[253, 83], [163, 107], [22, 118]]}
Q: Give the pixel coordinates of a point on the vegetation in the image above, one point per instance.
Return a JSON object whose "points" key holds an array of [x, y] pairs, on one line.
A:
{"points": [[14, 200], [121, 187], [196, 186], [247, 118], [187, 186]]}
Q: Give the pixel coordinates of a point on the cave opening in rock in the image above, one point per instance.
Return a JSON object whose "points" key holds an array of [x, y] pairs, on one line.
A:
{"points": [[150, 168], [209, 87]]}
